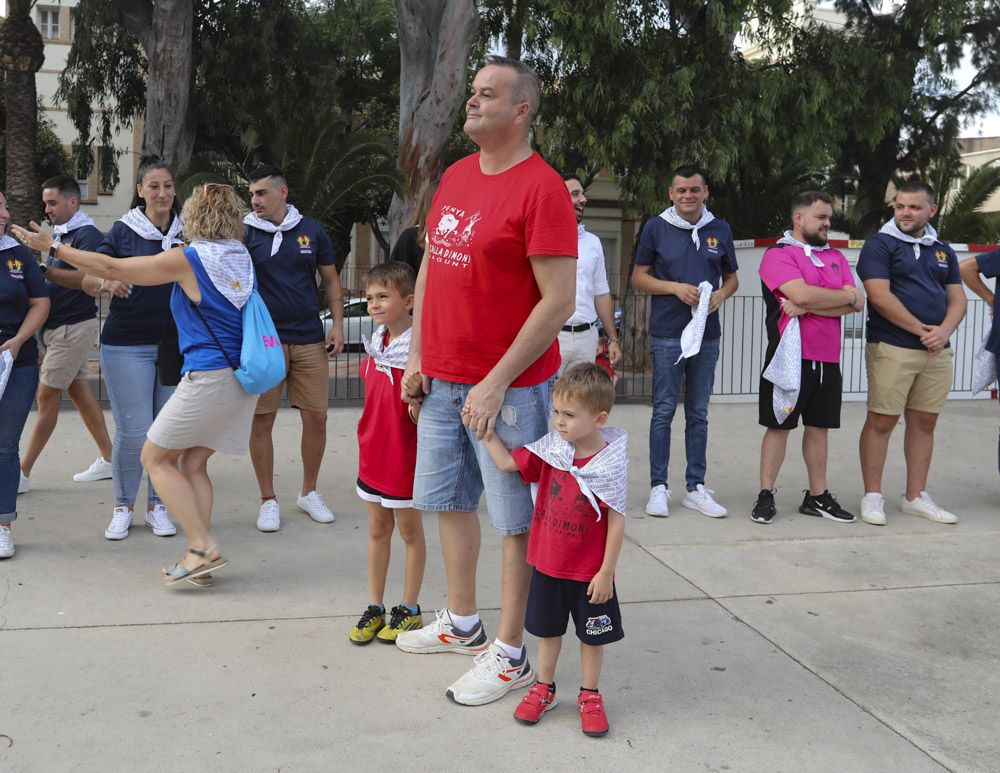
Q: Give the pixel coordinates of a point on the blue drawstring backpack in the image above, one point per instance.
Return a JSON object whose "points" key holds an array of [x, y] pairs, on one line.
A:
{"points": [[262, 361]]}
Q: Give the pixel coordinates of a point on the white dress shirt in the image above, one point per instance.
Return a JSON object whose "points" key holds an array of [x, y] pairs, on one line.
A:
{"points": [[591, 277]]}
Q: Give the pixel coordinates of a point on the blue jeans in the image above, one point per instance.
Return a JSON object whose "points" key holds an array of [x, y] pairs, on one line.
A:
{"points": [[453, 468], [136, 398], [698, 373], [14, 407]]}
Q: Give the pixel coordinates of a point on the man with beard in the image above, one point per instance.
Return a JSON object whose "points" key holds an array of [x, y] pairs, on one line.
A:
{"points": [[802, 277], [578, 337], [916, 302]]}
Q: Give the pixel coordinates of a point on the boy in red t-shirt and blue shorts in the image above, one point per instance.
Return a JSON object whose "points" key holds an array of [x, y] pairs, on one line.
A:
{"points": [[387, 451], [578, 474]]}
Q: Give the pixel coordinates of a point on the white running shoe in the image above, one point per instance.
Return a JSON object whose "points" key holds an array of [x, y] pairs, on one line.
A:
{"points": [[441, 636], [269, 517], [99, 470], [313, 504], [873, 509], [159, 521], [659, 499], [121, 519], [6, 542], [491, 677], [23, 483], [701, 500], [925, 507]]}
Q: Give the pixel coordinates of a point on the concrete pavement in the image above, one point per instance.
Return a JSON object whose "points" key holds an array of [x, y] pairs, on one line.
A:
{"points": [[804, 645]]}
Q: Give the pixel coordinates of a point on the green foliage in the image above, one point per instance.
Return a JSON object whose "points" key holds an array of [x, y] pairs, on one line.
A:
{"points": [[959, 219], [50, 157]]}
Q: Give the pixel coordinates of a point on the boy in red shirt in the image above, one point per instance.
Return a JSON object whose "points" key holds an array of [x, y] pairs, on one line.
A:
{"points": [[387, 450], [578, 473]]}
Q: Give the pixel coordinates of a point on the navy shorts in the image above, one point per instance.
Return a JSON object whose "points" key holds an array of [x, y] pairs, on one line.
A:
{"points": [[553, 600]]}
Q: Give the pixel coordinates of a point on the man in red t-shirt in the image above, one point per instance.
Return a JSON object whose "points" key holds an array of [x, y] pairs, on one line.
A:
{"points": [[496, 284], [803, 277]]}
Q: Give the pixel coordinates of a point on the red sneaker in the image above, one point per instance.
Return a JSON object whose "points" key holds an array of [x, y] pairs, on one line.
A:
{"points": [[540, 698], [593, 720]]}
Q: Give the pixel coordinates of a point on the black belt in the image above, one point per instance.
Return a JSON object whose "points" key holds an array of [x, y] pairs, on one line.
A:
{"points": [[577, 328]]}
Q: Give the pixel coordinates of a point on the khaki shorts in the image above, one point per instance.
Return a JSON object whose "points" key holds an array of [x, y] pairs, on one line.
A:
{"points": [[900, 379], [67, 349], [307, 374]]}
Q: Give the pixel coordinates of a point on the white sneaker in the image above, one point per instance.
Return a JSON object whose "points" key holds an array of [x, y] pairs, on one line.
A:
{"points": [[159, 521], [99, 470], [491, 677], [440, 636], [23, 483], [658, 504], [873, 510], [313, 504], [701, 500], [269, 517], [6, 542], [121, 519], [925, 507]]}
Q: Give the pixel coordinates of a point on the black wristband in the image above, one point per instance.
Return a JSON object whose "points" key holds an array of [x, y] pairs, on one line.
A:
{"points": [[53, 248]]}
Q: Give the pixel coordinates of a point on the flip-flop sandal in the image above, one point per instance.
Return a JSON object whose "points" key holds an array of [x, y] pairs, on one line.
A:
{"points": [[175, 572], [205, 581]]}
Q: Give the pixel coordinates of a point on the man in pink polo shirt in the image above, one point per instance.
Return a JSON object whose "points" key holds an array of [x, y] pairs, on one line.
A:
{"points": [[802, 276]]}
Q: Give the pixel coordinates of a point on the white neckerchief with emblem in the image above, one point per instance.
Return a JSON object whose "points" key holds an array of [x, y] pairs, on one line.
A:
{"points": [[7, 241], [228, 265], [671, 216], [929, 238], [143, 227], [394, 355], [604, 476], [984, 368], [785, 371], [787, 238], [79, 220], [292, 219]]}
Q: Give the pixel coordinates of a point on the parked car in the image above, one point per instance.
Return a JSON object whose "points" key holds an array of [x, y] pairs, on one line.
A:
{"points": [[357, 323]]}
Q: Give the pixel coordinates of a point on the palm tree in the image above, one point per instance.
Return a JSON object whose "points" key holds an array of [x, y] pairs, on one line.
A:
{"points": [[21, 55], [960, 219]]}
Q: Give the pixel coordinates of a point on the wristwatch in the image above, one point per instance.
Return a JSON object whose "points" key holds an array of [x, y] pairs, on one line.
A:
{"points": [[43, 268], [52, 250]]}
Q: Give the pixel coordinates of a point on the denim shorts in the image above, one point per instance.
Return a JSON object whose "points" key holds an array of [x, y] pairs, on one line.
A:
{"points": [[453, 468]]}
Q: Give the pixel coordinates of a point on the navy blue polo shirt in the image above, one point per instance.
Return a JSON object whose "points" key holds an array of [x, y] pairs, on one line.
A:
{"points": [[72, 306], [989, 266], [918, 284], [673, 256], [20, 279], [287, 279], [139, 319]]}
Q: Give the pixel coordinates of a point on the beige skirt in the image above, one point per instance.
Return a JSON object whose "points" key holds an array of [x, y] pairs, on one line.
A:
{"points": [[210, 409]]}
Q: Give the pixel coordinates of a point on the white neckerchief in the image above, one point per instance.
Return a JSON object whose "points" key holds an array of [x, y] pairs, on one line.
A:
{"points": [[388, 357], [671, 216], [7, 241], [136, 220], [984, 369], [292, 219], [807, 248], [228, 265], [927, 240], [785, 371], [604, 476], [694, 331], [79, 220]]}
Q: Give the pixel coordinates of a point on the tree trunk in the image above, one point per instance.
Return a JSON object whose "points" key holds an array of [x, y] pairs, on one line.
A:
{"points": [[21, 55], [170, 128], [435, 38]]}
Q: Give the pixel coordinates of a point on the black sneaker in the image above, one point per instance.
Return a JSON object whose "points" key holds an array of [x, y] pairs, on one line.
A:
{"points": [[825, 506], [763, 508]]}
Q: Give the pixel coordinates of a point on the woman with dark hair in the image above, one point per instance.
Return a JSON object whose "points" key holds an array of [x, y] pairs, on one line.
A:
{"points": [[24, 307], [209, 283], [129, 340]]}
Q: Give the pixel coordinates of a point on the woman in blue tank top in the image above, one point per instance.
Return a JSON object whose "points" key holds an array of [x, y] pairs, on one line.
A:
{"points": [[209, 411]]}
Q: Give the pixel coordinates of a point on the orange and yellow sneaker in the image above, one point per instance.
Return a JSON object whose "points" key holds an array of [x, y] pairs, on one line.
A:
{"points": [[400, 619], [371, 622]]}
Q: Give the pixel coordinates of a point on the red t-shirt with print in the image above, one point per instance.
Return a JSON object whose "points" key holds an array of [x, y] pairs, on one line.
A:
{"points": [[387, 437], [566, 539], [479, 287]]}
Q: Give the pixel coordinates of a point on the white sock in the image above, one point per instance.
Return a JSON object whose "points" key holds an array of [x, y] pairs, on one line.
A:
{"points": [[514, 653], [873, 496], [464, 622]]}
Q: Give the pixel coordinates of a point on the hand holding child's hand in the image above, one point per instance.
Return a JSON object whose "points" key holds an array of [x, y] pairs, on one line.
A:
{"points": [[601, 588], [414, 386]]}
